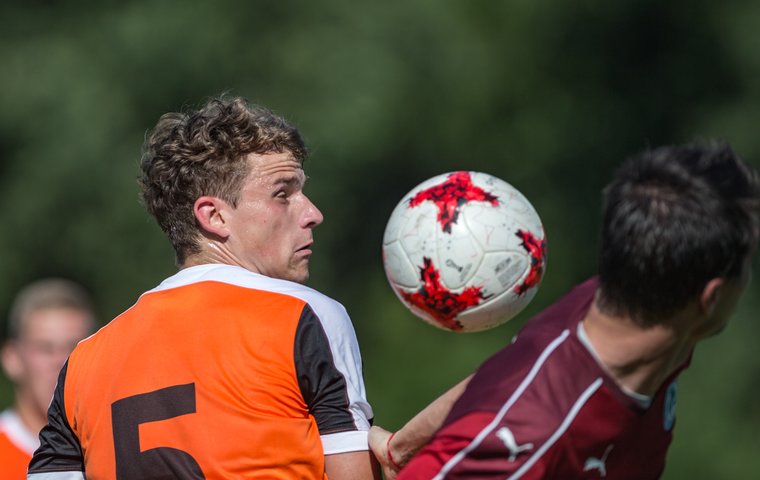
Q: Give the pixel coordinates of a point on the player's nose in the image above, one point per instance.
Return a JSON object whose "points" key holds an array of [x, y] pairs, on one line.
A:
{"points": [[312, 215]]}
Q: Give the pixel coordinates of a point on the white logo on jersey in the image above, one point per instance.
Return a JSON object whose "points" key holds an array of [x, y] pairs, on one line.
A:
{"points": [[669, 413], [593, 463], [506, 436]]}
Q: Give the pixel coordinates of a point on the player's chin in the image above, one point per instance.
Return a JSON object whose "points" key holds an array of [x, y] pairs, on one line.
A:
{"points": [[299, 271], [303, 278]]}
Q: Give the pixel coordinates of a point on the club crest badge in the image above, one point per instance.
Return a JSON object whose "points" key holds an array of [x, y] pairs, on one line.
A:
{"points": [[669, 413]]}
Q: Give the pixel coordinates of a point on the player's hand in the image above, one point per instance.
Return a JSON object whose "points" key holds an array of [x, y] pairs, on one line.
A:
{"points": [[379, 444]]}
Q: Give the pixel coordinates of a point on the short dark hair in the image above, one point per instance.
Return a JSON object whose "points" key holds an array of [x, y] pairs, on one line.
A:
{"points": [[674, 218], [203, 152]]}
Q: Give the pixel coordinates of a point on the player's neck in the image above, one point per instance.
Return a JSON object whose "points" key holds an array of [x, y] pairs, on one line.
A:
{"points": [[639, 359], [213, 253], [31, 417]]}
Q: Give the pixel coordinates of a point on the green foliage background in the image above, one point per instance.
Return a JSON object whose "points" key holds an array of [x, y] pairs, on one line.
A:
{"points": [[548, 95]]}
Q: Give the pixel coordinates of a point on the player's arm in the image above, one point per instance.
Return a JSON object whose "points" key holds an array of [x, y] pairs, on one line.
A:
{"points": [[396, 451], [331, 382], [60, 454], [352, 466]]}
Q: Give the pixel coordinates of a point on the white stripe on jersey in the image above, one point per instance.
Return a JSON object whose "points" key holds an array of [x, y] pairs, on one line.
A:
{"points": [[453, 461], [561, 430], [335, 322], [343, 442], [56, 476]]}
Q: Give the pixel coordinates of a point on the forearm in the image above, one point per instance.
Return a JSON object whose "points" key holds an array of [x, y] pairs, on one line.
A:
{"points": [[420, 429], [352, 466], [393, 451]]}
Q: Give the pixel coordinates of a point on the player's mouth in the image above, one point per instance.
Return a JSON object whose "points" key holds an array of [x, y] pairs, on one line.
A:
{"points": [[305, 250]]}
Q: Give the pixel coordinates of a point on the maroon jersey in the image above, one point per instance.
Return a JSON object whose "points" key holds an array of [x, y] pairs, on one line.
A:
{"points": [[543, 407]]}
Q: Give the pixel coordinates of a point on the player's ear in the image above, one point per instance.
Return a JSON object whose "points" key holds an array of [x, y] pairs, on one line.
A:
{"points": [[11, 362], [709, 296], [211, 214]]}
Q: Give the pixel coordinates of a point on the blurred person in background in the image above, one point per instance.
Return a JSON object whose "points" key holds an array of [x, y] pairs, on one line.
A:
{"points": [[587, 389], [47, 319], [230, 368]]}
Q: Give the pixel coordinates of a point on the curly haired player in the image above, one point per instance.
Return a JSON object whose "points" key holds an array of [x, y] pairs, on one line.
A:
{"points": [[231, 368]]}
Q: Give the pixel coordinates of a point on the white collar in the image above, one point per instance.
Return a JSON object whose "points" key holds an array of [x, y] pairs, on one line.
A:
{"points": [[643, 400], [17, 433]]}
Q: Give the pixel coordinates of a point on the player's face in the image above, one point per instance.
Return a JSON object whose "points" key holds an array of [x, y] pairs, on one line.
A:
{"points": [[271, 227], [34, 360]]}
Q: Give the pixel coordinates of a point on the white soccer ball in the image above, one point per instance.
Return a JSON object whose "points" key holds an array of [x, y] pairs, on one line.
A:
{"points": [[464, 251]]}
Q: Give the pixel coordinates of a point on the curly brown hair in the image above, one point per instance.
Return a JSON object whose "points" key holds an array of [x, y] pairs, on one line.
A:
{"points": [[203, 152]]}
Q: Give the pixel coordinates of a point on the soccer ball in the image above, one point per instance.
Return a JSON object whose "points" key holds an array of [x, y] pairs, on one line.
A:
{"points": [[464, 251]]}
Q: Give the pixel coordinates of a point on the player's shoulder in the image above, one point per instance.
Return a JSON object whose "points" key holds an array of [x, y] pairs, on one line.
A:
{"points": [[320, 303], [564, 313], [545, 367], [522, 371], [529, 395], [542, 339]]}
